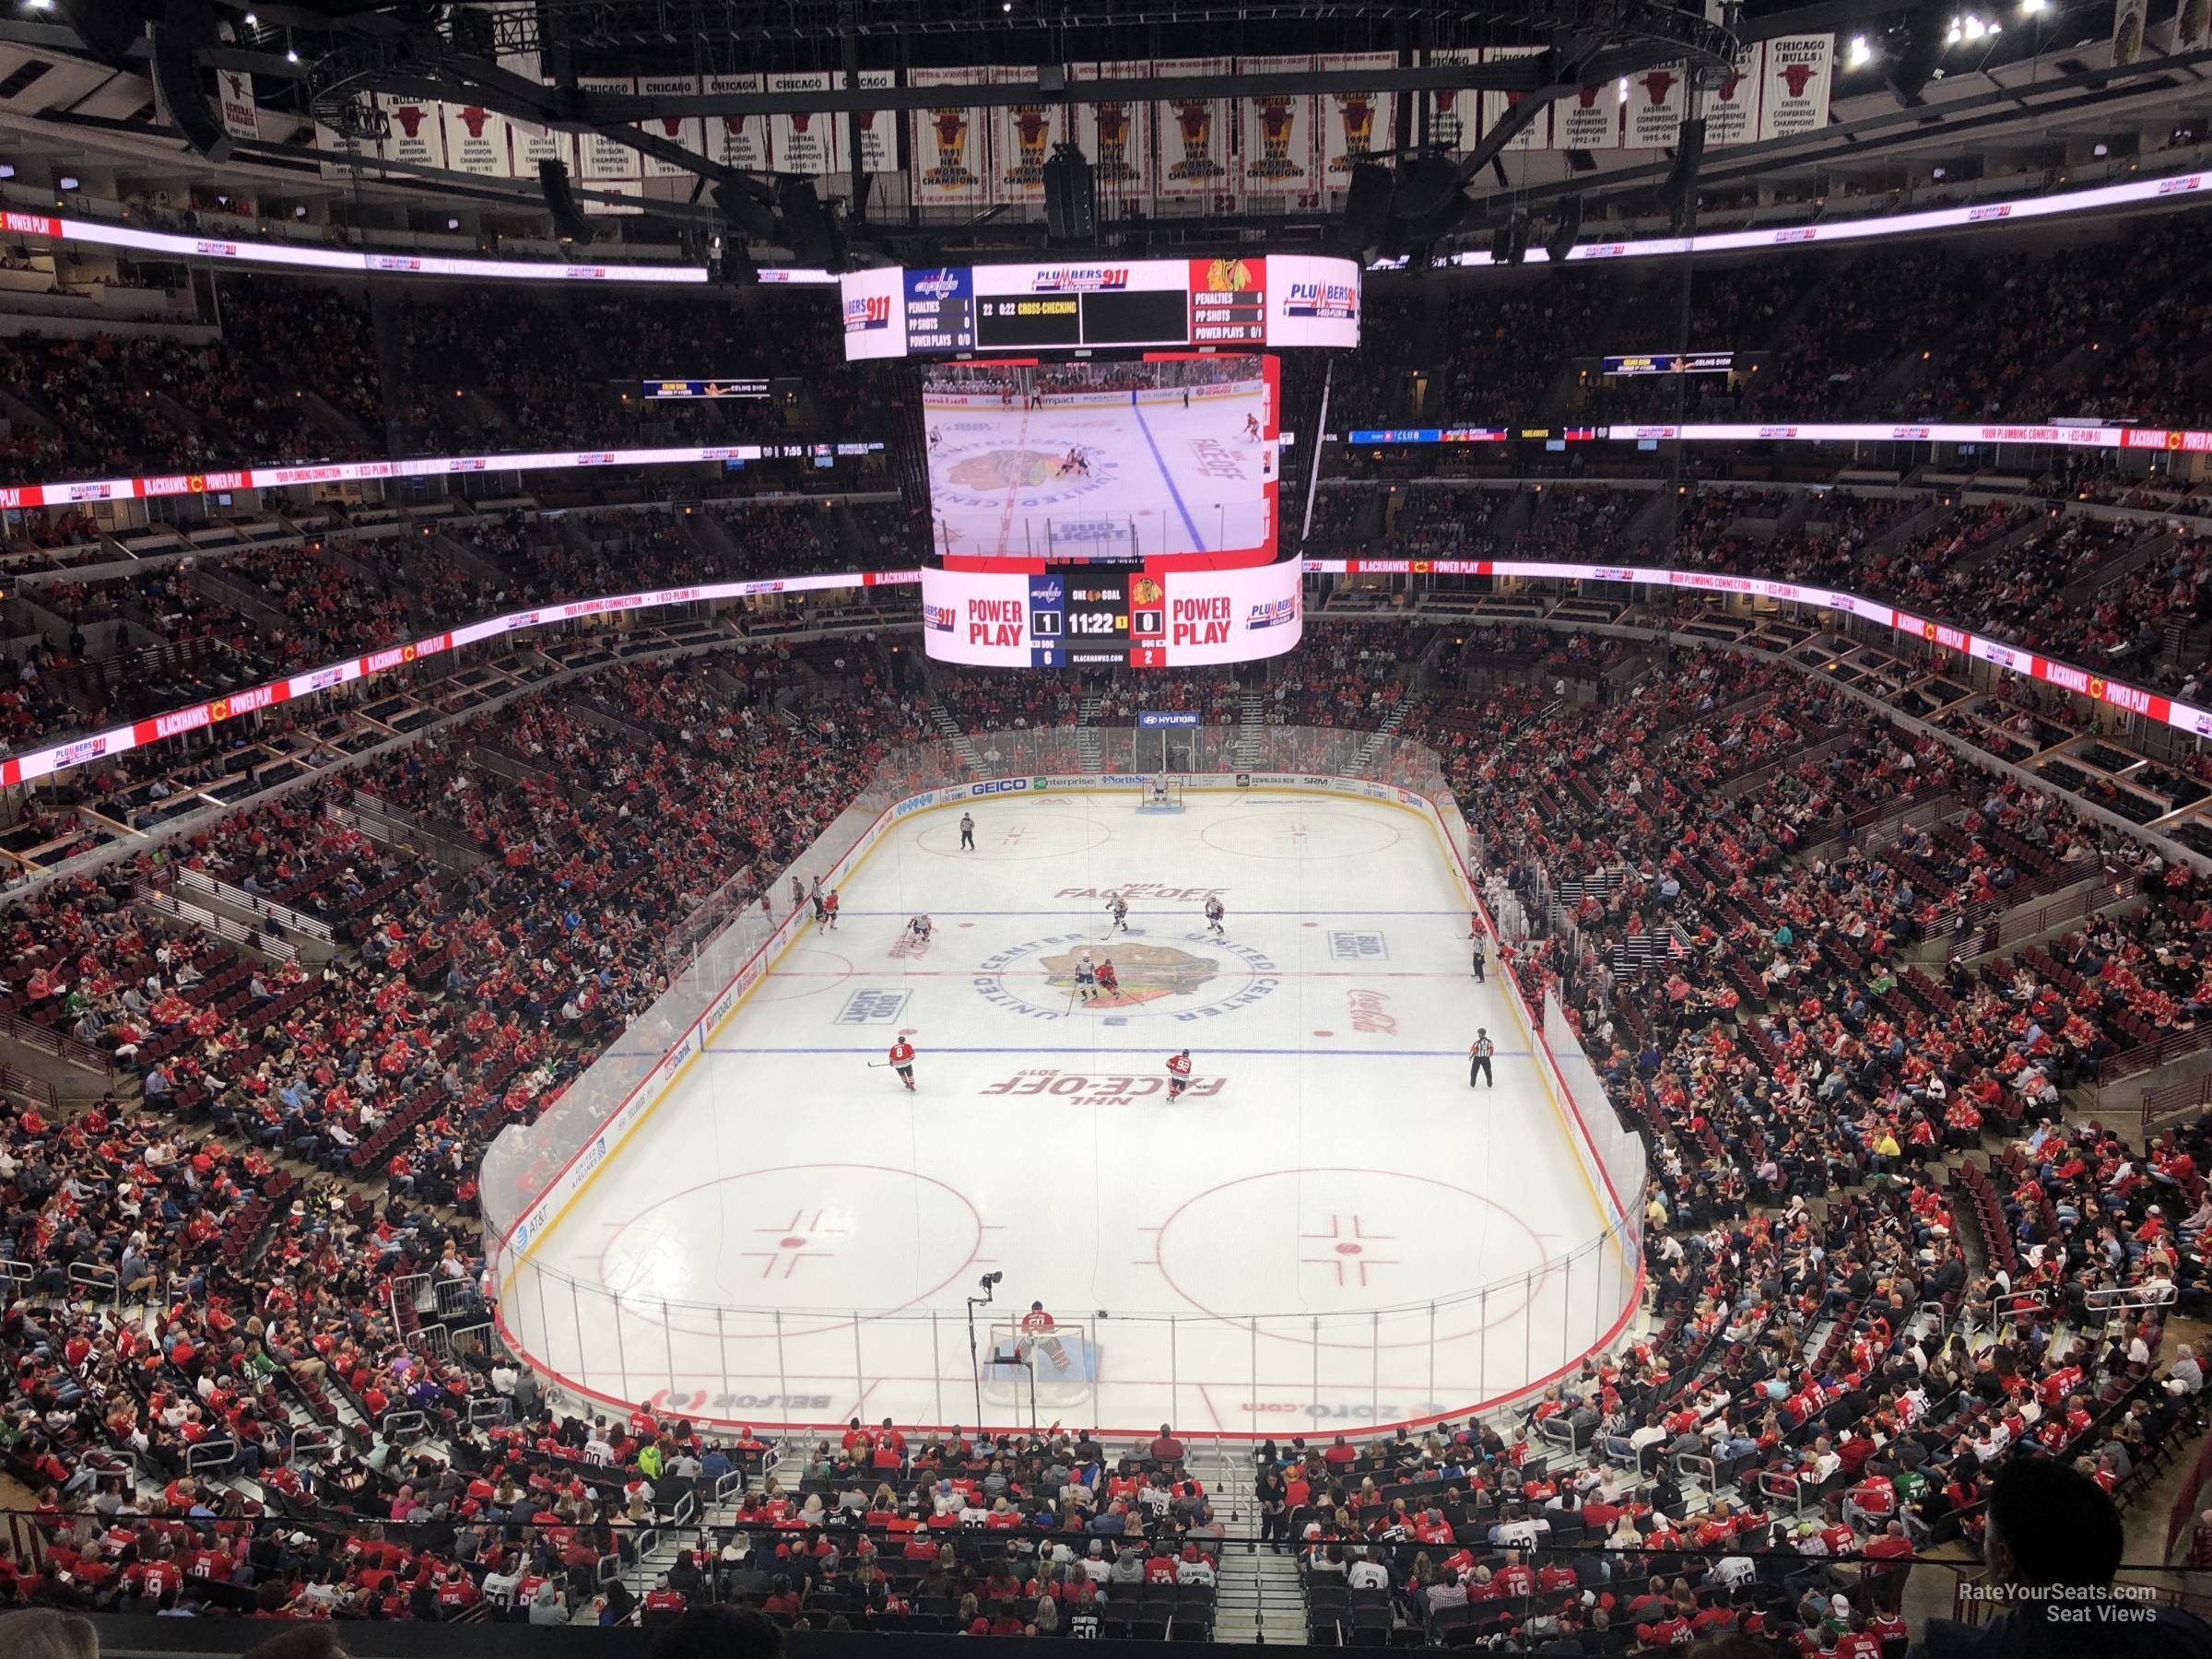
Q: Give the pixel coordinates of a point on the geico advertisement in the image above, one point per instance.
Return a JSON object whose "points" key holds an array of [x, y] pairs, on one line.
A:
{"points": [[1176, 618]]}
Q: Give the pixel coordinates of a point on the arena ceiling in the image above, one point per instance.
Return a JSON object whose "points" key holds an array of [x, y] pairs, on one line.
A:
{"points": [[2035, 91]]}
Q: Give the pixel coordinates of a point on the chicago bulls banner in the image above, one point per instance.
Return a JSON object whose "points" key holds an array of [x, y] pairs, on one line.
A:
{"points": [[1117, 137], [1022, 138], [1589, 119], [1355, 124], [234, 99], [1731, 108], [951, 152], [879, 128], [1454, 114], [602, 162], [1194, 163], [416, 135], [1278, 161], [675, 129], [476, 141], [805, 142], [1793, 89], [1658, 100], [738, 141], [1534, 135]]}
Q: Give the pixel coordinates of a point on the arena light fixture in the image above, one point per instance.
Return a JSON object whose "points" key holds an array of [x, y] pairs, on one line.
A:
{"points": [[1859, 54]]}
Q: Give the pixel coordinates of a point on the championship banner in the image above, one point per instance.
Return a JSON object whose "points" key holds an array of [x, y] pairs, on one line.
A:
{"points": [[1793, 88], [805, 142], [2193, 26], [685, 130], [1023, 138], [1355, 124], [1534, 135], [1731, 108], [1658, 103], [1454, 114], [234, 98], [879, 128], [1193, 133], [1590, 120], [476, 141], [416, 135], [738, 141], [951, 157], [1117, 140], [1278, 160], [602, 162], [2130, 18]]}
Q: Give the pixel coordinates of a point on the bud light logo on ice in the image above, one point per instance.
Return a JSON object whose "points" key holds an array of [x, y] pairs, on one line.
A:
{"points": [[868, 311], [1273, 613], [1078, 279], [1333, 299], [939, 617]]}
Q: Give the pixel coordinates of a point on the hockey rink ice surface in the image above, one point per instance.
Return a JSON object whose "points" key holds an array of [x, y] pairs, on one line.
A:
{"points": [[792, 1237], [1182, 480]]}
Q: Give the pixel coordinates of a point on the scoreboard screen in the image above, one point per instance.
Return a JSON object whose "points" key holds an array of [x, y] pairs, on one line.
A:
{"points": [[1282, 299], [1162, 616]]}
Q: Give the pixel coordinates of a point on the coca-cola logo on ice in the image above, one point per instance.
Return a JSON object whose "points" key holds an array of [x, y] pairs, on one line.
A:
{"points": [[1370, 1012]]}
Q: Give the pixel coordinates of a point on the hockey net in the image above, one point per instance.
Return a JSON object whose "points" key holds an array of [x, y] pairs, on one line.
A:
{"points": [[1065, 1361], [1163, 793]]}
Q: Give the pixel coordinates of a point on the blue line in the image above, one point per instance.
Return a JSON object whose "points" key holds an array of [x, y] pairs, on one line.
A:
{"points": [[1174, 495], [1038, 1048]]}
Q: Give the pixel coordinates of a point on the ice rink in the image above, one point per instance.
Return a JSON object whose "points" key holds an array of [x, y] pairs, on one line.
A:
{"points": [[1331, 1228], [1163, 477]]}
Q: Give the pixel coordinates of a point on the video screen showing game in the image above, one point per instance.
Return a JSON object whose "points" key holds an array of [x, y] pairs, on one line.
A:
{"points": [[1110, 461]]}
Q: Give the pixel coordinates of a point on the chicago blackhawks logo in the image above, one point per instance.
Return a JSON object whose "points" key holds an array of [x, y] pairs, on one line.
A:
{"points": [[1209, 977]]}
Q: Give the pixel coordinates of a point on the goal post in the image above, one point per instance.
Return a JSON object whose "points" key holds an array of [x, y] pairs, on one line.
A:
{"points": [[1065, 1360], [1163, 793]]}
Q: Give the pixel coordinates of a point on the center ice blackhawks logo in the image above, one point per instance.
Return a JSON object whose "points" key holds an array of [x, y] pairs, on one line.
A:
{"points": [[1037, 980], [1146, 974], [1003, 469]]}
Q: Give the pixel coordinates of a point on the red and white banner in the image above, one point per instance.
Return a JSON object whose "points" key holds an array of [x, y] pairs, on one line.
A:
{"points": [[738, 141], [604, 162], [476, 141], [1588, 120], [1353, 125], [1795, 86], [1538, 133], [1193, 133], [1117, 138], [1454, 114], [952, 149], [1280, 157], [805, 142], [234, 99], [1658, 100], [1731, 108], [1023, 135], [416, 135], [683, 130], [879, 128]]}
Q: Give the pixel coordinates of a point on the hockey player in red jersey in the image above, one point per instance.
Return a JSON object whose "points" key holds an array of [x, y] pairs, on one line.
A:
{"points": [[1252, 429], [1178, 1075], [1109, 984], [902, 1060]]}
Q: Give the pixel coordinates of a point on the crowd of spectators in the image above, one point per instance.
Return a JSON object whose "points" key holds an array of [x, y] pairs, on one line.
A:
{"points": [[306, 1139]]}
